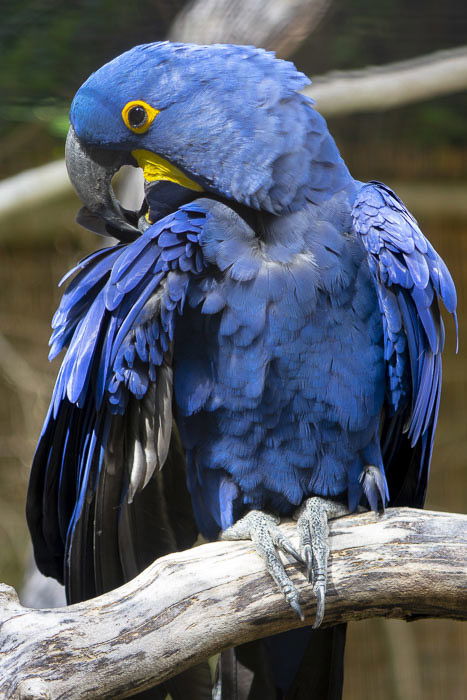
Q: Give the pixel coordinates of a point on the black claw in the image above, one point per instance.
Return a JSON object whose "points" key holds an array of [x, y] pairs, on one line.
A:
{"points": [[297, 608], [287, 547], [308, 552], [320, 598]]}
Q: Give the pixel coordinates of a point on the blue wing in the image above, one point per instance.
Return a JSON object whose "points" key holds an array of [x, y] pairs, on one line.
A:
{"points": [[410, 277], [111, 406]]}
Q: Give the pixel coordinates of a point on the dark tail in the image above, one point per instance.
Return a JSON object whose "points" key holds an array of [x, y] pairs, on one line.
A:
{"points": [[302, 664], [107, 541]]}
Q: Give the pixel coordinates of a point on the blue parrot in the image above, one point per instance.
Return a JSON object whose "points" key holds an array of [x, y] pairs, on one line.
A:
{"points": [[266, 329]]}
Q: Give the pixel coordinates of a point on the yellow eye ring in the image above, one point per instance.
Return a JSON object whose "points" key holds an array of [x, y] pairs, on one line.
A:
{"points": [[138, 116]]}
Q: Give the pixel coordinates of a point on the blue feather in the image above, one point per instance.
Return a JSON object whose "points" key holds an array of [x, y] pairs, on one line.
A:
{"points": [[404, 261]]}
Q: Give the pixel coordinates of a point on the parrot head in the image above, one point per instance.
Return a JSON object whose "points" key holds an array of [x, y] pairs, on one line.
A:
{"points": [[221, 119]]}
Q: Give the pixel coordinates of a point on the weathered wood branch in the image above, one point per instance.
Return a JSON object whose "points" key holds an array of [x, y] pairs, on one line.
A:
{"points": [[186, 606]]}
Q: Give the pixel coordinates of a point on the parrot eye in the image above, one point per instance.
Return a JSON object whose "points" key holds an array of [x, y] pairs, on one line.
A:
{"points": [[138, 116]]}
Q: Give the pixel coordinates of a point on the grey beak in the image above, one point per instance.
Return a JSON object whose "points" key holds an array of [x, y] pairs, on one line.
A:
{"points": [[91, 170]]}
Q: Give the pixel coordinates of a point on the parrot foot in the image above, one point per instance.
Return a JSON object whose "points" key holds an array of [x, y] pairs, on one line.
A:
{"points": [[262, 529], [313, 531]]}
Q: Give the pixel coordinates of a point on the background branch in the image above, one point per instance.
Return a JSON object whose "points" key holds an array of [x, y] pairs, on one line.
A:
{"points": [[282, 26], [32, 188], [186, 606], [378, 88]]}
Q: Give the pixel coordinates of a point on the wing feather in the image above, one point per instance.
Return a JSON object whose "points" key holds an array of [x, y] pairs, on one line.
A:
{"points": [[109, 428], [409, 277]]}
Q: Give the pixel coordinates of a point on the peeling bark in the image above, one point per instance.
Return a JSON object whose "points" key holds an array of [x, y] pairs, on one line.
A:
{"points": [[186, 606]]}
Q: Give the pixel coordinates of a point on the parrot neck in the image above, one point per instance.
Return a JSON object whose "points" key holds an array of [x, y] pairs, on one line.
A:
{"points": [[300, 230], [310, 171], [328, 172]]}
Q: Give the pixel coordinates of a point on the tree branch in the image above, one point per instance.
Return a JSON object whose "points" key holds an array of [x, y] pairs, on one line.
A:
{"points": [[282, 26], [33, 188], [186, 606], [378, 88]]}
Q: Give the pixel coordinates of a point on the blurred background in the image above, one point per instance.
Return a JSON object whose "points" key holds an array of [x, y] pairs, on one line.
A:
{"points": [[418, 147]]}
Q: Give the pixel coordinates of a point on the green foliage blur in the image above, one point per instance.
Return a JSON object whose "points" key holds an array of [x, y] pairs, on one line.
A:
{"points": [[48, 47]]}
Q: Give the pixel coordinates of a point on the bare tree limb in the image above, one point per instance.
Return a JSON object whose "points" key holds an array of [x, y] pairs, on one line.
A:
{"points": [[33, 187], [376, 89], [281, 25], [186, 606]]}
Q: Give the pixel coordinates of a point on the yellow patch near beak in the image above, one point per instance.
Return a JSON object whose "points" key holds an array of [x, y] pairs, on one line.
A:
{"points": [[157, 168]]}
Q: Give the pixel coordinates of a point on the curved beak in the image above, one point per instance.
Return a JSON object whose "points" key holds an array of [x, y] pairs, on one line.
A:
{"points": [[91, 170]]}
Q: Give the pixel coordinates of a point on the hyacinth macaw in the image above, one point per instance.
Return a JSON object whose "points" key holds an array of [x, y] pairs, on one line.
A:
{"points": [[265, 324]]}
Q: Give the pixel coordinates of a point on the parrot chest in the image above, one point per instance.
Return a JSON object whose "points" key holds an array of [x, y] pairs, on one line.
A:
{"points": [[279, 380]]}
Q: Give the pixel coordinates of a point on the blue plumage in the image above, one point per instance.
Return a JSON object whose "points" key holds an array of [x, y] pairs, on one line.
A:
{"points": [[295, 308], [409, 274], [273, 351], [115, 350]]}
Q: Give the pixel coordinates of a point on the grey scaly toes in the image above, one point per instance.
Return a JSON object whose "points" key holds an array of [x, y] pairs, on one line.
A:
{"points": [[313, 531], [262, 529]]}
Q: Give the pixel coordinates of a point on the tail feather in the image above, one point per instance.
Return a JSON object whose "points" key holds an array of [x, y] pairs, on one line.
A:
{"points": [[302, 664], [321, 672]]}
